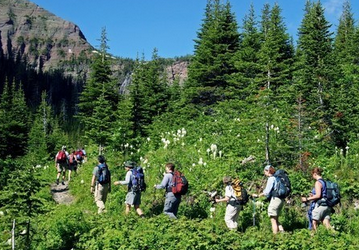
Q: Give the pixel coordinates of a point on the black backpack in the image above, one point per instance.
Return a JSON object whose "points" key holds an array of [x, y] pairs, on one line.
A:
{"points": [[282, 187], [104, 175]]}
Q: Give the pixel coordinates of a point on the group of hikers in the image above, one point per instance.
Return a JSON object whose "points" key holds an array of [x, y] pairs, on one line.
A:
{"points": [[276, 190], [173, 182], [68, 162]]}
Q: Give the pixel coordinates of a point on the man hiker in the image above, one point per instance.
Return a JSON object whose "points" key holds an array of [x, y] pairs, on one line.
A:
{"points": [[133, 197], [61, 163], [172, 201], [101, 183], [72, 164]]}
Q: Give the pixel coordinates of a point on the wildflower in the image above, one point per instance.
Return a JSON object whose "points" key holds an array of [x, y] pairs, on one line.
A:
{"points": [[82, 181], [204, 163], [220, 153], [148, 138], [200, 162], [182, 144], [200, 139], [194, 164]]}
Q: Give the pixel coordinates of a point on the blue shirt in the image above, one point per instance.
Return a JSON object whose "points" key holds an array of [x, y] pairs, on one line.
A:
{"points": [[166, 181], [269, 186]]}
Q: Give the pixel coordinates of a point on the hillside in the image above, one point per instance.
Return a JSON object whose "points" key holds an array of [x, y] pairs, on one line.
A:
{"points": [[44, 39]]}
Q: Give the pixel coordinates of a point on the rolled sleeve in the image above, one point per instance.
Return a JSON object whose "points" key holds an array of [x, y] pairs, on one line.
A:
{"points": [[127, 178]]}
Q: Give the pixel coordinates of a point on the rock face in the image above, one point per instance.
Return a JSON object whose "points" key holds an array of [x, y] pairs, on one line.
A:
{"points": [[45, 40]]}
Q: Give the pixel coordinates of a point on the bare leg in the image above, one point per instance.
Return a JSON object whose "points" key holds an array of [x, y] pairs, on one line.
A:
{"points": [[138, 210], [274, 221]]}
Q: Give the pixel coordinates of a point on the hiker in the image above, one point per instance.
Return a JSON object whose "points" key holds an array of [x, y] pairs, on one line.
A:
{"points": [[84, 154], [320, 211], [133, 197], [233, 207], [61, 163], [79, 156], [101, 183], [72, 164], [276, 204], [172, 201]]}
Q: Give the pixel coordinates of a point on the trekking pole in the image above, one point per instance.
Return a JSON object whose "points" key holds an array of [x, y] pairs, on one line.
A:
{"points": [[254, 211]]}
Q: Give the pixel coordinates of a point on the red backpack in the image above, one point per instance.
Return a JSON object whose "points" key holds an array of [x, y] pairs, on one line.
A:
{"points": [[61, 156], [179, 183]]}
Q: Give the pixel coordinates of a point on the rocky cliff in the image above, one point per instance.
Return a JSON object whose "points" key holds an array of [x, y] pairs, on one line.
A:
{"points": [[29, 32]]}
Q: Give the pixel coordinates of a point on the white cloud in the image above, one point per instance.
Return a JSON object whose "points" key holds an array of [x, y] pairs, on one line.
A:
{"points": [[333, 7]]}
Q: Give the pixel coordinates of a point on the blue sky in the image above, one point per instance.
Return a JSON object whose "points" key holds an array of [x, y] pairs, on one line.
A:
{"points": [[136, 27]]}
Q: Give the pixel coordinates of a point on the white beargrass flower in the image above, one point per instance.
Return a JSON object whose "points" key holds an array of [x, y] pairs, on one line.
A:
{"points": [[200, 162], [82, 181]]}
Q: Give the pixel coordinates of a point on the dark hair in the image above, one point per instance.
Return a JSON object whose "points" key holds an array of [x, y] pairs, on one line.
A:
{"points": [[101, 159], [317, 171], [170, 166]]}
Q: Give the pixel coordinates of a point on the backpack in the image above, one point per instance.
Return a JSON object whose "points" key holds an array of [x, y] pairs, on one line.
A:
{"points": [[332, 193], [61, 156], [240, 192], [71, 158], [282, 187], [137, 182], [79, 155], [104, 175], [179, 183]]}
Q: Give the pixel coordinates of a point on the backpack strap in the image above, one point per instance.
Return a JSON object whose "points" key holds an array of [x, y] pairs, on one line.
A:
{"points": [[323, 200]]}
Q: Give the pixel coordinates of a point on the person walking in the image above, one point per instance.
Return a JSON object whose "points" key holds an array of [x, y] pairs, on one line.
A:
{"points": [[233, 207], [276, 204], [133, 197], [101, 183], [72, 164], [172, 201], [61, 164], [320, 210]]}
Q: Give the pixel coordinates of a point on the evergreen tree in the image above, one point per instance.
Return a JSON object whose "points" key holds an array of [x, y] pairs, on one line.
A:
{"points": [[14, 121], [345, 98], [213, 61], [247, 57], [100, 79], [100, 87], [314, 74], [40, 131], [124, 126], [149, 93]]}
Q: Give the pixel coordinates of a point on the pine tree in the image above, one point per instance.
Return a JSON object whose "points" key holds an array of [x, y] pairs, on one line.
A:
{"points": [[40, 131], [345, 98], [14, 121], [246, 59], [314, 75], [100, 79], [149, 93], [213, 61]]}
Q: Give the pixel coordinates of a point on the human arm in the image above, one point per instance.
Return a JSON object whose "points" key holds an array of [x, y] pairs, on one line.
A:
{"points": [[165, 181], [268, 189], [317, 195], [126, 181]]}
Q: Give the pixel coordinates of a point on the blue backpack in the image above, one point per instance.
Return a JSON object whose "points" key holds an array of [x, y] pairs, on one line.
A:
{"points": [[331, 192], [282, 187], [137, 182], [104, 175]]}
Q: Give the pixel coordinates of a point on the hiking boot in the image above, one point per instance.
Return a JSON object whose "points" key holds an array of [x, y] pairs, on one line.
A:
{"points": [[63, 183], [57, 181]]}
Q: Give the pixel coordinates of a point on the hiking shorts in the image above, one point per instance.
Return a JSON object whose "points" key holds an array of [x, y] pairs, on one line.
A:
{"points": [[133, 198], [61, 167], [275, 206], [320, 213]]}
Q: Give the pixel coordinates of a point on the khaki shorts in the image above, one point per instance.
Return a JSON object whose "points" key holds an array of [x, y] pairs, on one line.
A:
{"points": [[320, 213], [133, 198], [275, 206]]}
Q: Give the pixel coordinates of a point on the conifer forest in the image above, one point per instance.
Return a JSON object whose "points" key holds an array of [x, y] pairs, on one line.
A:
{"points": [[253, 97]]}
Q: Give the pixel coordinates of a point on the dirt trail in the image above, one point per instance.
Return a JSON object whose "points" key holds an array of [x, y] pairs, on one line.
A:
{"points": [[61, 193]]}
